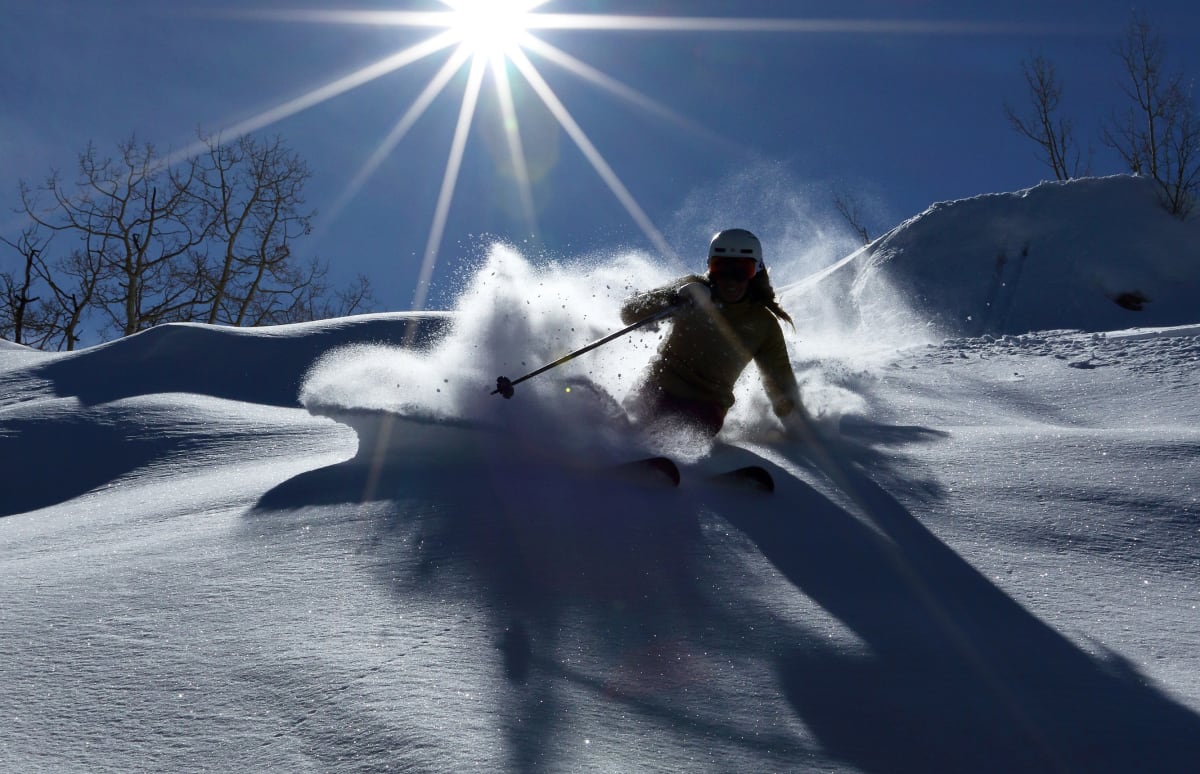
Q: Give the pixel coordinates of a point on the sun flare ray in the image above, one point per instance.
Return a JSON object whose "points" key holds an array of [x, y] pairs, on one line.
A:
{"points": [[449, 182], [431, 91], [420, 19], [327, 91], [701, 24], [595, 22], [593, 155], [512, 136], [615, 87]]}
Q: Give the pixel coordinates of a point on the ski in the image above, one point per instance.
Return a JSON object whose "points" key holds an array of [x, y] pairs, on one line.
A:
{"points": [[661, 471], [650, 470], [753, 477]]}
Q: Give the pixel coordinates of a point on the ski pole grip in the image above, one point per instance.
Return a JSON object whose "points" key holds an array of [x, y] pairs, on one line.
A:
{"points": [[504, 386]]}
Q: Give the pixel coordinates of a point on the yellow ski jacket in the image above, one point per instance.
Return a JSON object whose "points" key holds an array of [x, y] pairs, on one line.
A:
{"points": [[707, 349]]}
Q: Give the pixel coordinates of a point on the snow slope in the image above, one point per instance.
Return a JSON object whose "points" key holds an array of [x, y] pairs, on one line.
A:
{"points": [[1099, 254], [987, 562]]}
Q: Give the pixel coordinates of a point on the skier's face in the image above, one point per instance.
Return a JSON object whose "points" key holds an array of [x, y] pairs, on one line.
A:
{"points": [[731, 277], [730, 289]]}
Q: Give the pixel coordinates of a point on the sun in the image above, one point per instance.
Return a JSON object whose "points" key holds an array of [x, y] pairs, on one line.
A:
{"points": [[500, 37], [490, 27]]}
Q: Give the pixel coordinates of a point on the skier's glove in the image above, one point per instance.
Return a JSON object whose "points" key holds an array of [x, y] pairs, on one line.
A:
{"points": [[695, 294], [799, 425]]}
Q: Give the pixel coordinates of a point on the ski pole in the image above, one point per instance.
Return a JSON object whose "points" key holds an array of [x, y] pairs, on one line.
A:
{"points": [[504, 385]]}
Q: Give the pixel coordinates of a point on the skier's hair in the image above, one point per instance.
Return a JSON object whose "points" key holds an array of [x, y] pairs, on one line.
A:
{"points": [[762, 292]]}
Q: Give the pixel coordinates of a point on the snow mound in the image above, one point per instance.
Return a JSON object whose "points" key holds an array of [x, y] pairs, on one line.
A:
{"points": [[1092, 254], [254, 365]]}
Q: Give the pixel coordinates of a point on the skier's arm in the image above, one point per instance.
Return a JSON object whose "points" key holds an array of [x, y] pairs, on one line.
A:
{"points": [[654, 301], [777, 375]]}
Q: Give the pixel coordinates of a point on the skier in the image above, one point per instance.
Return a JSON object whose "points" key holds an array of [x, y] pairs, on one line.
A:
{"points": [[724, 319]]}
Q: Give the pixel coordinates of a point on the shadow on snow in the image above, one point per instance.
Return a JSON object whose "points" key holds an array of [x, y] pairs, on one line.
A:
{"points": [[608, 587], [958, 676]]}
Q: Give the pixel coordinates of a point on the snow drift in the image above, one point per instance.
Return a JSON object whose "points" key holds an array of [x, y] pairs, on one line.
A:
{"points": [[1094, 254]]}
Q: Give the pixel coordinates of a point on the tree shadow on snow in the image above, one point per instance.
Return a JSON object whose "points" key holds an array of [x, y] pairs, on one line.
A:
{"points": [[957, 676]]}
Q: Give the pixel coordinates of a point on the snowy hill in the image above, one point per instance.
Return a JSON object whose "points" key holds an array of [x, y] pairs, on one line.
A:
{"points": [[1097, 254], [988, 562]]}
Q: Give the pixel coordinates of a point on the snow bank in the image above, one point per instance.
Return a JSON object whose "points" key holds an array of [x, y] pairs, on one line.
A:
{"points": [[1092, 254], [254, 365]]}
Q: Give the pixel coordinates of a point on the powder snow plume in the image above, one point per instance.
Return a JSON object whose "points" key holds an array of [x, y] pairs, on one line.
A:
{"points": [[514, 316], [511, 317]]}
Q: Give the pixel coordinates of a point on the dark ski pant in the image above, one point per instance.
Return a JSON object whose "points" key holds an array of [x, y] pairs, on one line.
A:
{"points": [[653, 408]]}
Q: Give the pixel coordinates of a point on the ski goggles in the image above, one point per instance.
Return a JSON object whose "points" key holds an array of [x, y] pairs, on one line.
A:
{"points": [[735, 268]]}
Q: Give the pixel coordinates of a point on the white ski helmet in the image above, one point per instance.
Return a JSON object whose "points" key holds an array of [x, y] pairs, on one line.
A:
{"points": [[736, 243]]}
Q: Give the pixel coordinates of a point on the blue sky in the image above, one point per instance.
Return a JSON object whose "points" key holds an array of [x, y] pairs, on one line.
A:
{"points": [[899, 118]]}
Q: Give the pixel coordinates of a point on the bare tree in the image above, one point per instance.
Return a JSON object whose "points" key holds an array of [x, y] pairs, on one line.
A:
{"points": [[254, 192], [133, 220], [850, 207], [1053, 133], [1158, 135], [209, 239], [74, 282], [56, 318], [16, 303]]}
